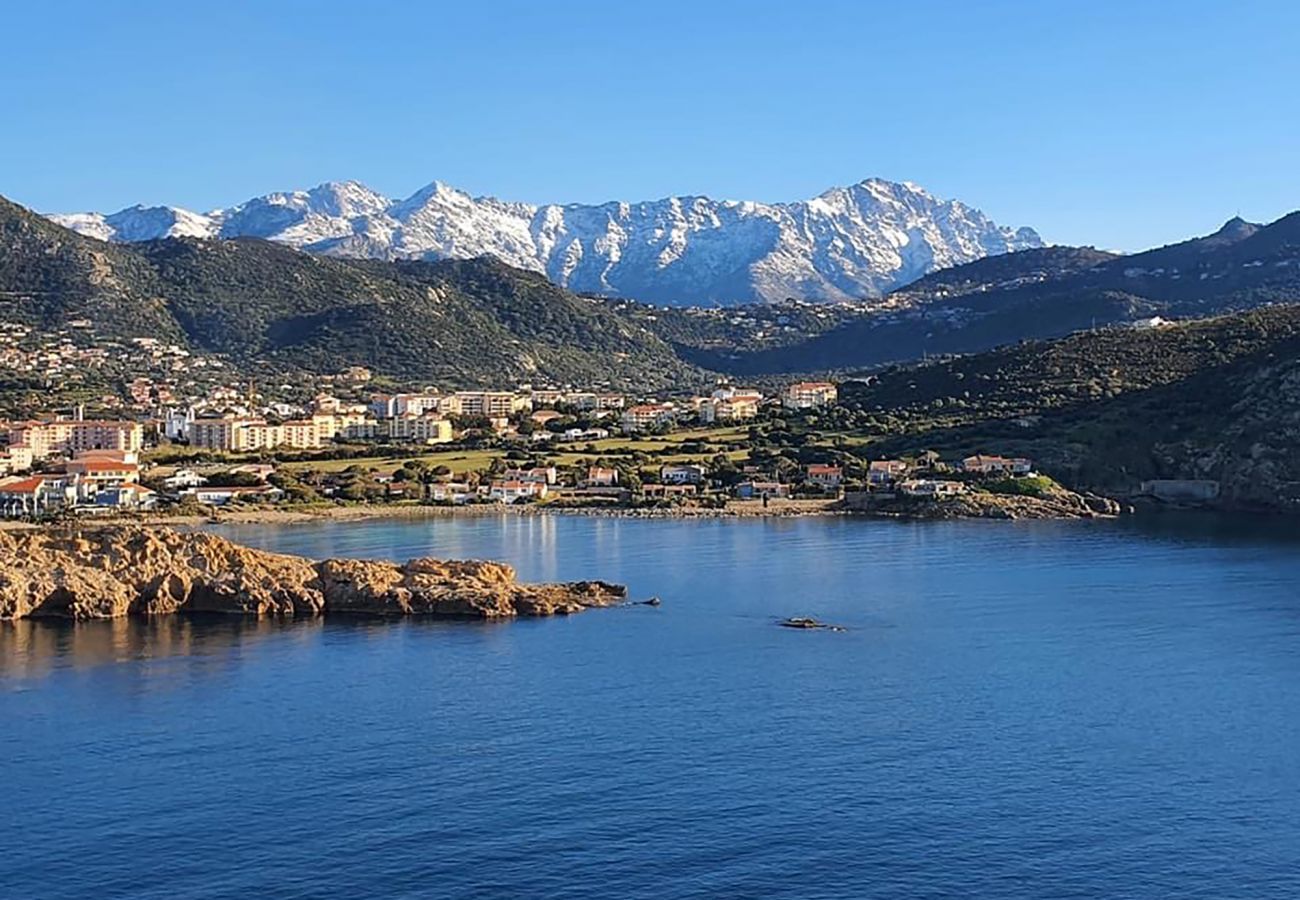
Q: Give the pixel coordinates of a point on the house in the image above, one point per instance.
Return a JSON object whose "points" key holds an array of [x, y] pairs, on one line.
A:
{"points": [[809, 395], [103, 471], [757, 490], [35, 496], [517, 491], [589, 434], [91, 476], [931, 489], [125, 496], [996, 465], [682, 474], [219, 496], [183, 478], [825, 477], [599, 476], [646, 416], [886, 471], [540, 474], [450, 492]]}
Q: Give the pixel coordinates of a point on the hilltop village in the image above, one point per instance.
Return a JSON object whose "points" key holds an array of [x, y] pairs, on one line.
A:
{"points": [[559, 448]]}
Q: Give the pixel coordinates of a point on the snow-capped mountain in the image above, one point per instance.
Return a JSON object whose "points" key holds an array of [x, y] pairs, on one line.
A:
{"points": [[852, 242]]}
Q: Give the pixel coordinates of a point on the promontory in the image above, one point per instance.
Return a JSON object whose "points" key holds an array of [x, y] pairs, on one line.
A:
{"points": [[102, 573]]}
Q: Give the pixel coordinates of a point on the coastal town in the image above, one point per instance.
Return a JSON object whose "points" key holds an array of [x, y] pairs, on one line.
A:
{"points": [[551, 447]]}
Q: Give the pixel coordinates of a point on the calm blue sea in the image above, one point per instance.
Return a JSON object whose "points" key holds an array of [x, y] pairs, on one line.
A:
{"points": [[1017, 710]]}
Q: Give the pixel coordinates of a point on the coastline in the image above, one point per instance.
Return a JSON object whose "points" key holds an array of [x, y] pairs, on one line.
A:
{"points": [[366, 512], [988, 506], [113, 571]]}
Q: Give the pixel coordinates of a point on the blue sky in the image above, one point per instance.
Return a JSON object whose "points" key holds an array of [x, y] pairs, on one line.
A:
{"points": [[1123, 125]]}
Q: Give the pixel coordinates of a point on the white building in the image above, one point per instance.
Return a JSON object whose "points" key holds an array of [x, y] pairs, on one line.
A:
{"points": [[810, 395]]}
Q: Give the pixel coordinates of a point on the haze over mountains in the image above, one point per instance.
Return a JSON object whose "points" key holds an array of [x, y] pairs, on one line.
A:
{"points": [[854, 242]]}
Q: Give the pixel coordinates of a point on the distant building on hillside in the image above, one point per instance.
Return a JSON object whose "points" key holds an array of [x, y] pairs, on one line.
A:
{"points": [[599, 476], [646, 416], [810, 395], [825, 477], [686, 473], [980, 464], [886, 471]]}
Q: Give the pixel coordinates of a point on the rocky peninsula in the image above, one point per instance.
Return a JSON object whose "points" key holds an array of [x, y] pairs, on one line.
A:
{"points": [[1056, 503], [105, 573]]}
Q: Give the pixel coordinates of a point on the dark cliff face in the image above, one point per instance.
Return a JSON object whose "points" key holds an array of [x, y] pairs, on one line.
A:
{"points": [[113, 572]]}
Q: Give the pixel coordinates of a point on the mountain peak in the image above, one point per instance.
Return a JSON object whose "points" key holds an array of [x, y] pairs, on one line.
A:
{"points": [[851, 242], [1236, 229]]}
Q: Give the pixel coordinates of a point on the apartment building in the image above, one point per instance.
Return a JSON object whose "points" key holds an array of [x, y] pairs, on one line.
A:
{"points": [[646, 416], [730, 405], [388, 406], [424, 429], [239, 434], [66, 437], [810, 395], [493, 404]]}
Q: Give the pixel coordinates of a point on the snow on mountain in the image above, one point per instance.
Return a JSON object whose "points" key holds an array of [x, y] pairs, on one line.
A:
{"points": [[851, 242], [140, 223]]}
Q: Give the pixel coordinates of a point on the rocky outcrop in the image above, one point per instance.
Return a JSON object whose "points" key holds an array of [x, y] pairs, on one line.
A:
{"points": [[111, 572], [1055, 504]]}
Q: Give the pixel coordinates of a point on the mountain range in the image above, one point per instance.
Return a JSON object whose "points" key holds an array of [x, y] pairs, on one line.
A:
{"points": [[1039, 293], [266, 306], [848, 243], [270, 309]]}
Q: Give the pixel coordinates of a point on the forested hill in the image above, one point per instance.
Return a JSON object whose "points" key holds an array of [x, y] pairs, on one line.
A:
{"points": [[1216, 399], [1043, 293], [475, 322]]}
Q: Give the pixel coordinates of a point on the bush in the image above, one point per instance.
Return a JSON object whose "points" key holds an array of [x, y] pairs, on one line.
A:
{"points": [[1030, 486]]}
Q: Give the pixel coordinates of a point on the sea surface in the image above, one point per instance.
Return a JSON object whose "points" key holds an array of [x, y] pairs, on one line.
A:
{"points": [[1016, 710]]}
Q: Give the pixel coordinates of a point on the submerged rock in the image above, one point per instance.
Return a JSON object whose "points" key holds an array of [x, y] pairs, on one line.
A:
{"points": [[111, 572], [806, 622]]}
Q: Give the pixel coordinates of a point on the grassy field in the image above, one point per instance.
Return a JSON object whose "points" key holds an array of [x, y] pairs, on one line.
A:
{"points": [[462, 461]]}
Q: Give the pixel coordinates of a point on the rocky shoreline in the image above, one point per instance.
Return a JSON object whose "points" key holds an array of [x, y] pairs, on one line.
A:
{"points": [[1056, 505], [116, 571], [1061, 504]]}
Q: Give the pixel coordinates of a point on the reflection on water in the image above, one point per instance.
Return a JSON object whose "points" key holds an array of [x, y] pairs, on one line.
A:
{"points": [[1214, 528], [34, 647], [1017, 710]]}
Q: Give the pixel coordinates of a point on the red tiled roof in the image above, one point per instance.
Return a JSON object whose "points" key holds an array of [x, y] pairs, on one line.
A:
{"points": [[103, 466], [26, 486]]}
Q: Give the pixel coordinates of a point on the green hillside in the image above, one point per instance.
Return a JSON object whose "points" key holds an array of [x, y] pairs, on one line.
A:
{"points": [[457, 323], [1216, 399]]}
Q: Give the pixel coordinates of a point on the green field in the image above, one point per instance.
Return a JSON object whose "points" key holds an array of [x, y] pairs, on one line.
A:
{"points": [[462, 461]]}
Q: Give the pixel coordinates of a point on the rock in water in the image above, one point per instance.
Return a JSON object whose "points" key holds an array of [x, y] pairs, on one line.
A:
{"points": [[110, 572]]}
